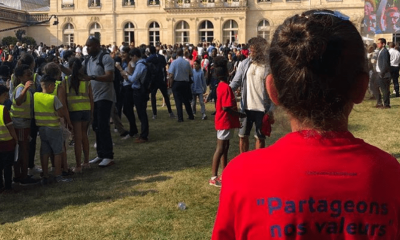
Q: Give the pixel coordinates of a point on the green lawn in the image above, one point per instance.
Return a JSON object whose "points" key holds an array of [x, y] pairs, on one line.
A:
{"points": [[137, 197]]}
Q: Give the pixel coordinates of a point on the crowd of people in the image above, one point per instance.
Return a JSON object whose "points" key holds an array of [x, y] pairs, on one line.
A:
{"points": [[58, 92], [317, 182]]}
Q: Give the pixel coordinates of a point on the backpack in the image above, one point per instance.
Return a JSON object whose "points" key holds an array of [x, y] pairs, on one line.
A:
{"points": [[100, 61], [149, 80]]}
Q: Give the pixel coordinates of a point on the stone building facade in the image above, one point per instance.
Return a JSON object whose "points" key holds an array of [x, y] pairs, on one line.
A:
{"points": [[175, 21]]}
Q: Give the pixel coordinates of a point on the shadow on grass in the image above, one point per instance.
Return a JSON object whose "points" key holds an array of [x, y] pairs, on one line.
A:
{"points": [[38, 199], [396, 155]]}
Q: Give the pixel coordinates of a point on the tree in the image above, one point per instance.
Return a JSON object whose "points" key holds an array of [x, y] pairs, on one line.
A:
{"points": [[9, 40], [19, 34], [29, 41]]}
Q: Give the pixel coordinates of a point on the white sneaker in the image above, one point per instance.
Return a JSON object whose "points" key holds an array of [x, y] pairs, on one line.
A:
{"points": [[126, 137], [106, 162], [115, 130], [95, 145], [35, 170], [96, 160], [204, 117]]}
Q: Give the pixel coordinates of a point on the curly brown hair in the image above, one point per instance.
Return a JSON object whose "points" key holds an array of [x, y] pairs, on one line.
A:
{"points": [[259, 47]]}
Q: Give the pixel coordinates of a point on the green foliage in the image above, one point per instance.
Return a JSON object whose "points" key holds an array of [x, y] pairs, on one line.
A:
{"points": [[19, 34], [9, 40], [29, 40]]}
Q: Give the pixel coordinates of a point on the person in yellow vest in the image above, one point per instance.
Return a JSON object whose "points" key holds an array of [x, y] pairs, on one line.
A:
{"points": [[8, 139], [47, 111], [21, 114], [28, 59], [80, 107], [53, 70]]}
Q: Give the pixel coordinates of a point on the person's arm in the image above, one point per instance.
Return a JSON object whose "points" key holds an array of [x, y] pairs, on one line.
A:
{"points": [[62, 112], [91, 102], [21, 98], [135, 77], [9, 124], [232, 112], [62, 96], [237, 79], [203, 81]]}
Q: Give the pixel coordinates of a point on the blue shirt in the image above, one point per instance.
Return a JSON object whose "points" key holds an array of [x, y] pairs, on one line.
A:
{"points": [[124, 66], [180, 69], [138, 74], [199, 83]]}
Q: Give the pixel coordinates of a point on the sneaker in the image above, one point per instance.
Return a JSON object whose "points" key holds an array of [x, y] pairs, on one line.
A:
{"points": [[154, 117], [126, 137], [141, 140], [172, 115], [28, 181], [214, 181], [106, 162], [115, 130], [35, 170], [204, 117], [44, 181], [61, 179], [96, 160], [95, 145]]}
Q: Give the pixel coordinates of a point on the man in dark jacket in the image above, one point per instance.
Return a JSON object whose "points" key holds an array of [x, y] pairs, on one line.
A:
{"points": [[383, 70]]}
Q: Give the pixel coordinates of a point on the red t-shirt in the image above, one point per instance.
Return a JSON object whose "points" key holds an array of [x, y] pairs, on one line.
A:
{"points": [[225, 98], [7, 146], [306, 186]]}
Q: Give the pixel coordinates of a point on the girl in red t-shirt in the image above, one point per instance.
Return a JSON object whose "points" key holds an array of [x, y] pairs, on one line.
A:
{"points": [[226, 119]]}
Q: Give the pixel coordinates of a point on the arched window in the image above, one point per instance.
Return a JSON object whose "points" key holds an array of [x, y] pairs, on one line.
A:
{"points": [[154, 33], [230, 31], [263, 29], [206, 31], [129, 33], [94, 30], [182, 32], [68, 34]]}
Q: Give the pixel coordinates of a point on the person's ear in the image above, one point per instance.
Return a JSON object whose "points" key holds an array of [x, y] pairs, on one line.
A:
{"points": [[271, 89], [360, 88]]}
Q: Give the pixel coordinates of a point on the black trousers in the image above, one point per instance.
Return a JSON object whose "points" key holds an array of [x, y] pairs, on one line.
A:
{"points": [[384, 85], [32, 144], [101, 126], [140, 102], [394, 73], [128, 109], [6, 163], [182, 95], [164, 91]]}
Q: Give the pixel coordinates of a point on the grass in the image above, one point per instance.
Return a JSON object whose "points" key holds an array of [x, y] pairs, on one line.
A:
{"points": [[137, 197]]}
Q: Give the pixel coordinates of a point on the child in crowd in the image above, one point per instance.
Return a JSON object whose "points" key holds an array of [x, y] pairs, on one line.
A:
{"points": [[8, 139], [226, 119], [53, 70], [21, 113], [48, 110], [319, 181], [80, 107], [199, 87]]}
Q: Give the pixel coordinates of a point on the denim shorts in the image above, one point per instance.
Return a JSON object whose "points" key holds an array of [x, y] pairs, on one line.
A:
{"points": [[79, 116], [51, 140]]}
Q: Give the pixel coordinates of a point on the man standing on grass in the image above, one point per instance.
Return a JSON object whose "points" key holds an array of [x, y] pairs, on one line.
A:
{"points": [[101, 75], [394, 67], [180, 73], [383, 70]]}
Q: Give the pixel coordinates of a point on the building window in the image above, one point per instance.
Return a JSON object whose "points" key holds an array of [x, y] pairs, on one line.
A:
{"points": [[94, 31], [67, 4], [261, 1], [128, 3], [68, 34], [154, 33], [182, 32], [263, 29], [129, 33], [206, 31], [230, 31], [94, 3], [153, 2]]}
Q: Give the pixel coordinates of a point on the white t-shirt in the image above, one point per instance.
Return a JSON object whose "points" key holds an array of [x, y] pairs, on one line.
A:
{"points": [[255, 87]]}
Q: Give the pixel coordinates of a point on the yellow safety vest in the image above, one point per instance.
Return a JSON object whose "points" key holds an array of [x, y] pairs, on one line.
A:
{"points": [[23, 110], [4, 133], [55, 92], [80, 101], [45, 114]]}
